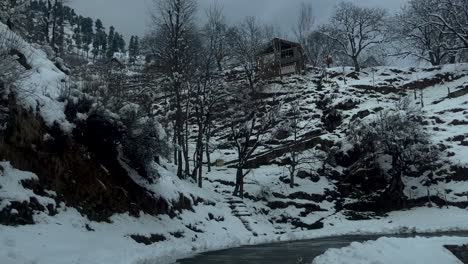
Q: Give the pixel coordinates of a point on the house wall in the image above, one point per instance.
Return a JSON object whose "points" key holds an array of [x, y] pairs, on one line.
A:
{"points": [[275, 64]]}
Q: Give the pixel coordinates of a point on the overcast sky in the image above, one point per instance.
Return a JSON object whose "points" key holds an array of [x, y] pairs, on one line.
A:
{"points": [[130, 17]]}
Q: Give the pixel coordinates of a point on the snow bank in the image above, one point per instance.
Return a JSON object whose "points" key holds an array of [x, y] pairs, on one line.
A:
{"points": [[11, 189], [385, 250]]}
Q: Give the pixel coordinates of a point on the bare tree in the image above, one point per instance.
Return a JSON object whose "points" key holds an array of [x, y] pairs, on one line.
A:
{"points": [[416, 34], [355, 28], [176, 44], [304, 27], [451, 18], [246, 42], [321, 48], [216, 31], [248, 127], [295, 157], [208, 93]]}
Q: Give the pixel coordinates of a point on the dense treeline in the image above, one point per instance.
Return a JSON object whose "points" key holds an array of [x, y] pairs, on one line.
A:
{"points": [[47, 22]]}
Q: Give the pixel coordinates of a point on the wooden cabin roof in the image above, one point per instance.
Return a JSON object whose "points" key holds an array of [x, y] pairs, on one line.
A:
{"points": [[278, 44]]}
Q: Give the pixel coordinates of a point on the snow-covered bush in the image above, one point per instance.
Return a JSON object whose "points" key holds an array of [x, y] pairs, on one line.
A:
{"points": [[395, 142], [145, 141], [265, 192], [9, 68]]}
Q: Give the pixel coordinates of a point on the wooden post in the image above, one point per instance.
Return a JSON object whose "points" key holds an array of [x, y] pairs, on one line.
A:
{"points": [[422, 98]]}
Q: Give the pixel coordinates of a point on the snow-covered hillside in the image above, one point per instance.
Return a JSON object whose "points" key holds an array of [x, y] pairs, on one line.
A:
{"points": [[53, 231]]}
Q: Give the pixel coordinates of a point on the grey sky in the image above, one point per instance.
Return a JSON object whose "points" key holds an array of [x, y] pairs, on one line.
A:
{"points": [[130, 17]]}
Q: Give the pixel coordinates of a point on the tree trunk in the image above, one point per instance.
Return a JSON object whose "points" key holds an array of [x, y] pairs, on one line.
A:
{"points": [[395, 191], [357, 67], [241, 191], [208, 156], [292, 172], [220, 67], [199, 154], [200, 170], [179, 165], [239, 181]]}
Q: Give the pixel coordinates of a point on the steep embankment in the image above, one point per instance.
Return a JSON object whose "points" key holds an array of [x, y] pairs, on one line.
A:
{"points": [[78, 161]]}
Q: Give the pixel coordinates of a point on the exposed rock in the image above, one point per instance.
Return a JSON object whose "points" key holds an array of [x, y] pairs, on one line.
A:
{"points": [[21, 58], [332, 119]]}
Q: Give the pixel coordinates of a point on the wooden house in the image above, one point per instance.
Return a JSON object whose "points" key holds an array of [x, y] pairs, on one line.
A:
{"points": [[115, 64], [281, 57]]}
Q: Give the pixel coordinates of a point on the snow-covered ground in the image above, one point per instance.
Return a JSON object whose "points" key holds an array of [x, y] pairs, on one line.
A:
{"points": [[386, 250], [69, 237]]}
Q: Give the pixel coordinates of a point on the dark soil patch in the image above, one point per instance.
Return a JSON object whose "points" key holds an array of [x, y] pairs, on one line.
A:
{"points": [[283, 205], [383, 89], [457, 122], [194, 228], [314, 226], [227, 183], [459, 173], [459, 93], [178, 234], [461, 252], [437, 79], [148, 240]]}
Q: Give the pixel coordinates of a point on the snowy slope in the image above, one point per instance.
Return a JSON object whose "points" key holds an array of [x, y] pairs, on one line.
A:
{"points": [[40, 87]]}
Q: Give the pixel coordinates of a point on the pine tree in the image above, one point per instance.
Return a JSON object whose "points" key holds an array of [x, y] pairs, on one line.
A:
{"points": [[87, 33], [110, 42], [121, 43], [100, 39], [77, 37], [131, 46], [136, 46]]}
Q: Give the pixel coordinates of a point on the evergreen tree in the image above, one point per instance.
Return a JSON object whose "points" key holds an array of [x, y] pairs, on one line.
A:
{"points": [[100, 39], [110, 42], [136, 46], [77, 37], [87, 33], [133, 48], [120, 43]]}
